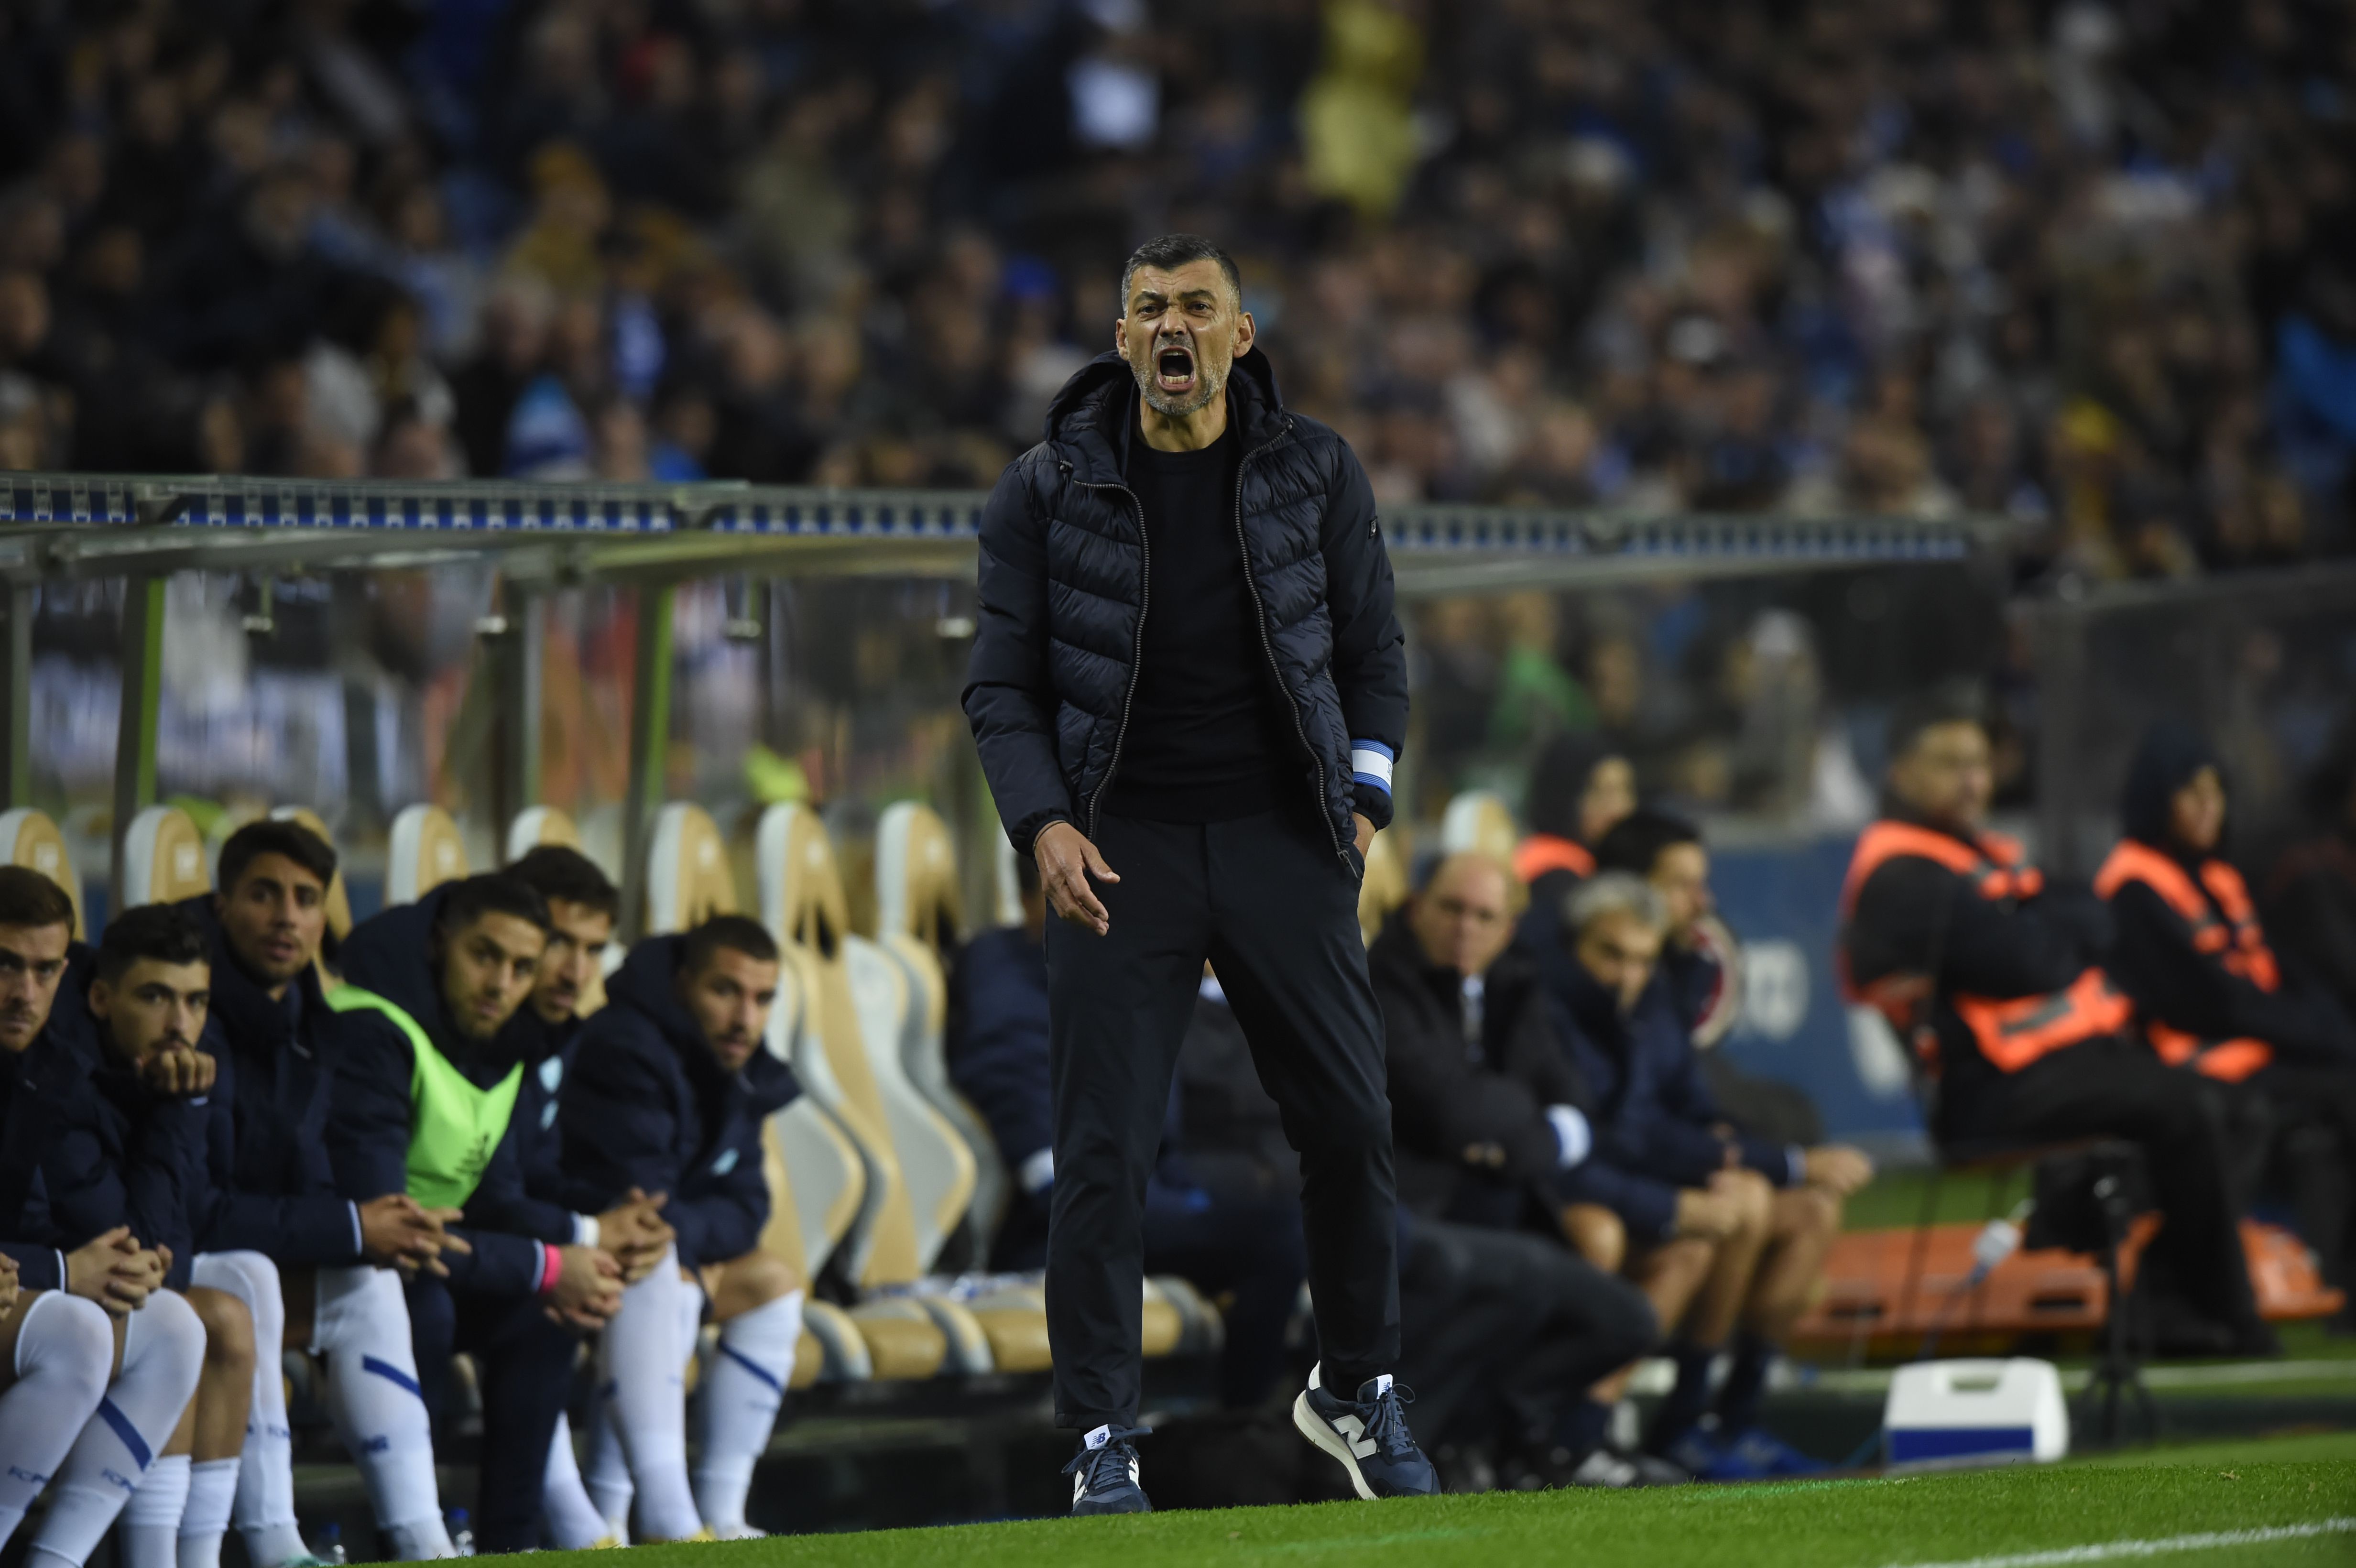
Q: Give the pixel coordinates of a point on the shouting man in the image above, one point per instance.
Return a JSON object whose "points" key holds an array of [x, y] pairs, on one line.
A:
{"points": [[1188, 688]]}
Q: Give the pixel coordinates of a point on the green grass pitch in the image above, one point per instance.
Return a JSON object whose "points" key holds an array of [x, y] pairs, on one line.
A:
{"points": [[1950, 1520]]}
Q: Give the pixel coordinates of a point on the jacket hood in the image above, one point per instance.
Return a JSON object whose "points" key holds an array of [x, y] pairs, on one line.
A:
{"points": [[644, 985], [71, 1023], [1091, 418], [391, 954], [242, 1005], [2170, 752]]}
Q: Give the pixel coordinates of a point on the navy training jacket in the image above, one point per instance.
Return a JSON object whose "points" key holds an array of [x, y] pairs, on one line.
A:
{"points": [[1648, 1086], [390, 953], [38, 1088], [646, 1104], [540, 1137], [120, 1155], [1063, 600], [273, 1186]]}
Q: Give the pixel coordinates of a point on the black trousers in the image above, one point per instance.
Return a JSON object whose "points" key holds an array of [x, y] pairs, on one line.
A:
{"points": [[523, 1367], [2313, 1160], [1249, 1248], [1506, 1331], [1268, 902], [2116, 1088], [1224, 1241]]}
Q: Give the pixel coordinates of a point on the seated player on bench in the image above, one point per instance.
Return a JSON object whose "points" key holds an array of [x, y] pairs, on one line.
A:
{"points": [[1489, 1120], [145, 1353], [667, 1096], [424, 1104], [1727, 1234]]}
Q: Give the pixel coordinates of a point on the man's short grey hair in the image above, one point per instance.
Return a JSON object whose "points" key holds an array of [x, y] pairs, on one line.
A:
{"points": [[1612, 892], [1171, 251]]}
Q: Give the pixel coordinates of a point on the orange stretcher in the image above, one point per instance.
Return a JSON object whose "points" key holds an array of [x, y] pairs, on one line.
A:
{"points": [[1867, 1293]]}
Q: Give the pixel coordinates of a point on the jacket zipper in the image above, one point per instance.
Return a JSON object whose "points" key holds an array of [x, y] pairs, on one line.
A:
{"points": [[1137, 655], [1268, 645]]}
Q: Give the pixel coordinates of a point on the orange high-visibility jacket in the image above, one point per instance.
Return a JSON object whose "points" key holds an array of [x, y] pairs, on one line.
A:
{"points": [[2206, 984], [1962, 964]]}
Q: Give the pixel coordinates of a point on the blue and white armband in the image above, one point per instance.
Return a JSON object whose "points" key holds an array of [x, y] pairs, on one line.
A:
{"points": [[1370, 765]]}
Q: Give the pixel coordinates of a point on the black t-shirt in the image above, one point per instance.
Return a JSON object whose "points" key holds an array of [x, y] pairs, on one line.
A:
{"points": [[1207, 741]]}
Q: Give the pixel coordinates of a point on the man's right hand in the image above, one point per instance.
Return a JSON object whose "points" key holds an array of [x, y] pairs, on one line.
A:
{"points": [[634, 1231], [113, 1271], [588, 1288], [1066, 862], [1709, 1214], [396, 1232]]}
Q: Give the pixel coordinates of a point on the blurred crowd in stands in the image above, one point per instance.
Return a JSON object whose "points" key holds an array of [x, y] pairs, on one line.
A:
{"points": [[2079, 266]]}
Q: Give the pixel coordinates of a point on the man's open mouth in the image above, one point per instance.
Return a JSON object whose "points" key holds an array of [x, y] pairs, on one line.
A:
{"points": [[1174, 368]]}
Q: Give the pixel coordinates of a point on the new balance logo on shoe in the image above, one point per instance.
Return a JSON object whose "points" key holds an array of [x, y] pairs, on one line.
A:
{"points": [[1367, 1436], [1105, 1473]]}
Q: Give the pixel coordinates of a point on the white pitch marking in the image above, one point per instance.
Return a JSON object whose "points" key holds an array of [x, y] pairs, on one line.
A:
{"points": [[2111, 1551]]}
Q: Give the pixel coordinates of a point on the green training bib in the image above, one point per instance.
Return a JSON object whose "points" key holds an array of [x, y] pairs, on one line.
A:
{"points": [[456, 1126]]}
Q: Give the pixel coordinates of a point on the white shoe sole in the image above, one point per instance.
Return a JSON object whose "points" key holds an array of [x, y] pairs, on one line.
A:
{"points": [[1305, 1422]]}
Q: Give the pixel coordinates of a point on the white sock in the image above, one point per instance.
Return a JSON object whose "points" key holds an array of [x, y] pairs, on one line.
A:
{"points": [[691, 1323], [65, 1350], [150, 1530], [608, 1477], [419, 1542], [163, 1352], [573, 1521], [743, 1386], [363, 1327], [641, 1372], [264, 1509], [212, 1493]]}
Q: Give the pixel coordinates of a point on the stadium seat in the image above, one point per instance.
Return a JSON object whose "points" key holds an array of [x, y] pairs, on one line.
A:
{"points": [[688, 878], [163, 858], [917, 920], [813, 1176], [538, 825], [424, 853], [28, 839], [1479, 819], [812, 1194], [1385, 887], [339, 898], [917, 926], [1005, 884], [847, 1053]]}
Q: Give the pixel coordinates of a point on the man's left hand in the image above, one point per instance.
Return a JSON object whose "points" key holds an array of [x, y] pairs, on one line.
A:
{"points": [[1839, 1169], [1366, 831], [179, 1071]]}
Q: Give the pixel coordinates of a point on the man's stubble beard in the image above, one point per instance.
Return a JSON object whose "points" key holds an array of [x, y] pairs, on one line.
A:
{"points": [[1211, 385]]}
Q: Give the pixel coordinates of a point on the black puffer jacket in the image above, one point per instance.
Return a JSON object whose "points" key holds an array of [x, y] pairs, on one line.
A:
{"points": [[1063, 601]]}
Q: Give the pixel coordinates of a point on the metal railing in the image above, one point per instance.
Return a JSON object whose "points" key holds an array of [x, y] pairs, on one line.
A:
{"points": [[85, 525], [540, 538]]}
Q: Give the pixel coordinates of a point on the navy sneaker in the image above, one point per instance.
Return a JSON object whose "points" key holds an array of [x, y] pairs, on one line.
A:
{"points": [[1753, 1455], [1368, 1435], [1104, 1472]]}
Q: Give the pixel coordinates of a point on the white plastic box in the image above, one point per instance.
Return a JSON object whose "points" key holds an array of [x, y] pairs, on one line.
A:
{"points": [[1981, 1411]]}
